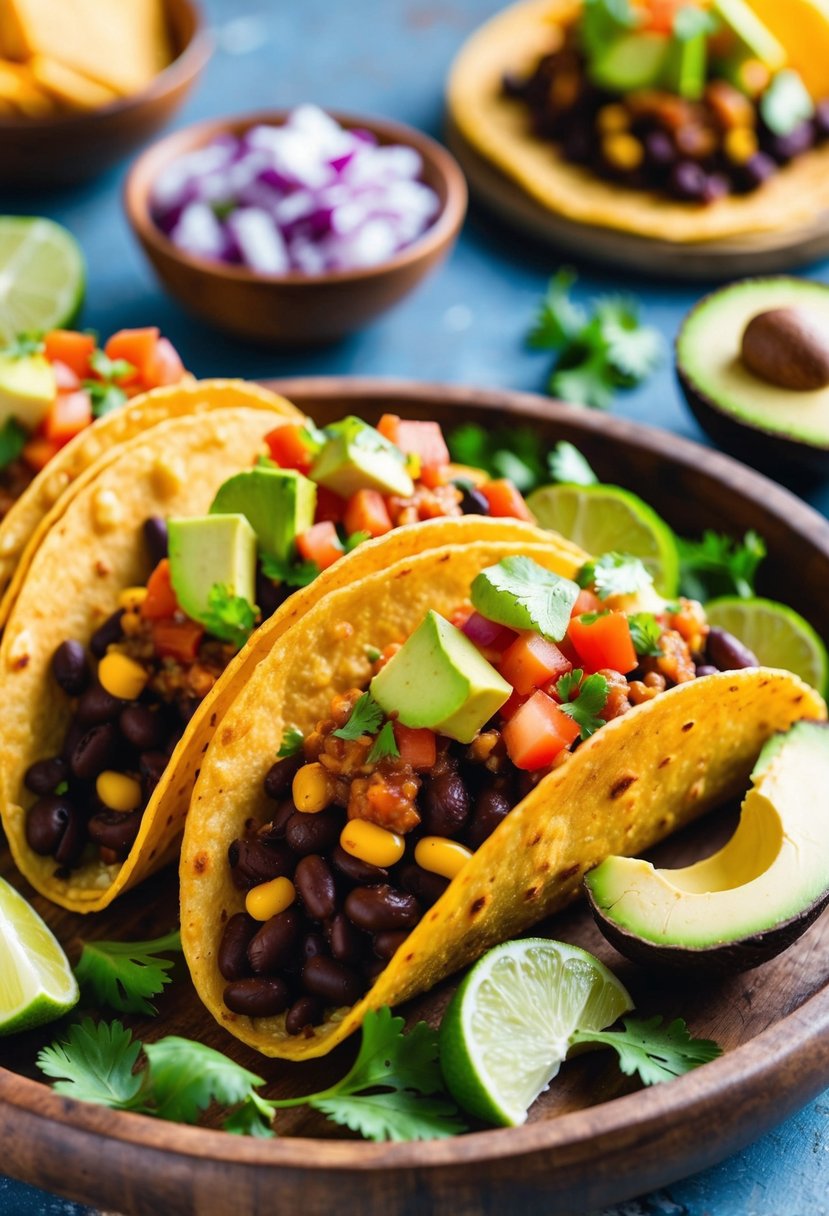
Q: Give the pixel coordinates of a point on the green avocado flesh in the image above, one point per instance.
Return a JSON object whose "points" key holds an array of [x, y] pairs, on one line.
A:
{"points": [[440, 680], [773, 869], [208, 550], [277, 503], [634, 61], [356, 457], [708, 355], [27, 389]]}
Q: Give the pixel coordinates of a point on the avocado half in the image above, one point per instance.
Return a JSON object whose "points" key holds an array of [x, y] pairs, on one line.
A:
{"points": [[770, 427], [750, 900]]}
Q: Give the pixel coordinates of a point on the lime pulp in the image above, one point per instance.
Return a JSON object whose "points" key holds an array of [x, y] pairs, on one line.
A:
{"points": [[42, 276], [36, 981], [777, 635]]}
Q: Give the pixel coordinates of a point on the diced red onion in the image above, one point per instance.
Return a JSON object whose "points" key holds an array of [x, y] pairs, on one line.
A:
{"points": [[483, 632]]}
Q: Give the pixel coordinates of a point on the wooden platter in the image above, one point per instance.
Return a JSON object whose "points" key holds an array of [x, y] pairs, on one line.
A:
{"points": [[594, 1138]]}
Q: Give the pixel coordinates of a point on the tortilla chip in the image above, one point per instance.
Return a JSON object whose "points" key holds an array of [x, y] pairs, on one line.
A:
{"points": [[638, 779], [47, 496], [497, 128]]}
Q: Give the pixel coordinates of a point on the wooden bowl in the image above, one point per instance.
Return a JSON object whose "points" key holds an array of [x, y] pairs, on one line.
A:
{"points": [[595, 1138], [71, 148], [293, 308]]}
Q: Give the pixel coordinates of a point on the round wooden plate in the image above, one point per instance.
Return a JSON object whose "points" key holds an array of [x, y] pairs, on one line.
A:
{"points": [[594, 1138]]}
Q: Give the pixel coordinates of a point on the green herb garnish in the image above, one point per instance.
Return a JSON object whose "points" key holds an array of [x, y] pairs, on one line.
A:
{"points": [[104, 397], [355, 539], [718, 565], [614, 574], [590, 699], [656, 1052], [514, 453], [384, 745], [24, 345], [112, 370], [521, 594], [364, 719], [567, 466], [229, 617], [292, 740], [122, 975], [13, 439], [292, 574], [645, 633]]}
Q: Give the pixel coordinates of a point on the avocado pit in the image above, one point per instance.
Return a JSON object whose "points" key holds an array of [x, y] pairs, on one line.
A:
{"points": [[788, 347]]}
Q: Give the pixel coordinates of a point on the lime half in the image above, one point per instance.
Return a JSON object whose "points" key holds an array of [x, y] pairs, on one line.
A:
{"points": [[42, 276], [507, 1028], [36, 981], [778, 635], [603, 519]]}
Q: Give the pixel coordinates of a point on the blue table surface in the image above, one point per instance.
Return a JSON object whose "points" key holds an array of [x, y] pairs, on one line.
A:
{"points": [[466, 324]]}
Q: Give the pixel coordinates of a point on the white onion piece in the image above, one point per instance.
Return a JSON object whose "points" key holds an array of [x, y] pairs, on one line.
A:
{"points": [[260, 242], [199, 231]]}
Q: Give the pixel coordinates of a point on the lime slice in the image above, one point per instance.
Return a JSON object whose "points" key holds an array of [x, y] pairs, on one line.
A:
{"points": [[507, 1028], [36, 981], [778, 635], [42, 276], [606, 518]]}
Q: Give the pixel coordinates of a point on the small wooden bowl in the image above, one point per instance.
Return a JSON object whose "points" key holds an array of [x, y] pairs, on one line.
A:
{"points": [[71, 148], [293, 308]]}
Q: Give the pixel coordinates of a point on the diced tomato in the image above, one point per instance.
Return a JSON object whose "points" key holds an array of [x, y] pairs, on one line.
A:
{"points": [[367, 512], [68, 416], [660, 15], [177, 639], [586, 601], [434, 477], [71, 349], [330, 506], [288, 446], [505, 501], [39, 451], [537, 732], [138, 347], [65, 378], [387, 426], [511, 707], [604, 642], [531, 661], [422, 439], [417, 747], [167, 366], [160, 600], [321, 544]]}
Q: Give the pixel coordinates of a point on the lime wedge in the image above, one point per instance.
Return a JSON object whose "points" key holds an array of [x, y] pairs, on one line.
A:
{"points": [[778, 635], [507, 1028], [606, 518], [36, 981], [42, 276]]}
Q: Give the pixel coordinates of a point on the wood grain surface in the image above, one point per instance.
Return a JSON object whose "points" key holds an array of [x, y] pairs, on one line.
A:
{"points": [[594, 1138]]}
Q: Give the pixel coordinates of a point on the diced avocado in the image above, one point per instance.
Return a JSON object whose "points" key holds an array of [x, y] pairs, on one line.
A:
{"points": [[357, 457], [635, 61], [27, 388], [207, 551], [438, 679], [753, 35], [601, 23], [277, 503]]}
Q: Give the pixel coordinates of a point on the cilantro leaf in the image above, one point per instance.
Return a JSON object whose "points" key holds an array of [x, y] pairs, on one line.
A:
{"points": [[591, 698], [253, 1118], [718, 565], [602, 22], [292, 740], [185, 1077], [383, 746], [633, 352], [364, 719], [690, 22], [585, 383], [13, 438], [293, 574], [95, 1064], [656, 1052], [568, 467], [514, 453], [111, 370], [122, 975], [105, 397], [355, 539], [645, 632], [229, 617], [559, 320], [614, 574], [24, 345], [521, 594], [399, 1115]]}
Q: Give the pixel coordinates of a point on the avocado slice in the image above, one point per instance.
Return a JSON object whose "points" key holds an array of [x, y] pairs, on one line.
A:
{"points": [[355, 457], [277, 503], [207, 551], [751, 899], [27, 388], [634, 61], [763, 423]]}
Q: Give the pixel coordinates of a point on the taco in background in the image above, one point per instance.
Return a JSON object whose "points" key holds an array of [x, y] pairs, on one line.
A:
{"points": [[427, 763]]}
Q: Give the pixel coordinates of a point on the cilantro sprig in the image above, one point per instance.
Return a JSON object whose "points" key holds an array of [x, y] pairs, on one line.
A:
{"points": [[384, 746], [614, 574], [292, 740], [521, 594], [567, 466], [364, 719], [123, 975], [13, 439], [645, 633], [106, 393], [655, 1051], [229, 617], [719, 565], [292, 574], [583, 699]]}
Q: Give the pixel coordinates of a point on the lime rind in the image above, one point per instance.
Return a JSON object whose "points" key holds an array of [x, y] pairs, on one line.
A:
{"points": [[777, 634], [42, 276], [36, 982]]}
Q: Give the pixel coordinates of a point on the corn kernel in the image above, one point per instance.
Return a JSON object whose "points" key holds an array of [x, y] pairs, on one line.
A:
{"points": [[441, 856], [623, 151], [122, 677], [370, 843], [131, 598], [130, 624], [740, 145], [270, 898], [311, 789], [118, 791], [613, 118], [107, 512]]}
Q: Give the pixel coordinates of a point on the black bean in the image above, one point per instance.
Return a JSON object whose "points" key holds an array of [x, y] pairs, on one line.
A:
{"points": [[335, 983], [659, 149], [491, 806], [446, 805], [313, 833], [114, 830], [142, 727], [377, 908], [44, 775], [280, 776], [151, 766], [232, 958], [427, 887], [706, 669], [315, 886], [274, 829], [313, 944], [68, 853], [46, 824], [269, 595], [821, 119], [726, 652], [472, 501], [756, 171], [75, 732], [275, 943], [106, 634], [386, 944], [372, 967], [94, 751], [70, 667], [155, 538], [262, 997], [347, 943], [97, 706], [253, 862], [689, 181], [362, 873], [786, 147], [307, 1011]]}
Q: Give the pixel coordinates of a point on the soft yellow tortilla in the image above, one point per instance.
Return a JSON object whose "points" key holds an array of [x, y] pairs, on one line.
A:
{"points": [[43, 500], [638, 779], [498, 129]]}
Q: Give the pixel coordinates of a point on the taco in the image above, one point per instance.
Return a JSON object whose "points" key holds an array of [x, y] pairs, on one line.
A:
{"points": [[418, 770], [122, 650], [616, 116]]}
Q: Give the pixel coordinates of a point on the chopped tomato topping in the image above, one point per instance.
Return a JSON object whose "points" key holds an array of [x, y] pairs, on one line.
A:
{"points": [[68, 416], [38, 452], [138, 347], [387, 426], [505, 501], [329, 506], [160, 601], [532, 661], [586, 601], [422, 439], [604, 642], [417, 747], [537, 732], [71, 349], [167, 367], [288, 446], [177, 639], [367, 512], [321, 544], [434, 477]]}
